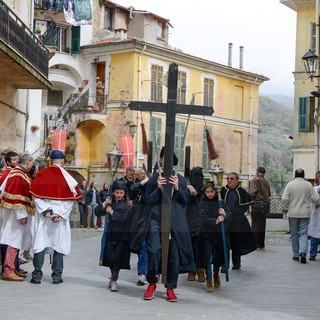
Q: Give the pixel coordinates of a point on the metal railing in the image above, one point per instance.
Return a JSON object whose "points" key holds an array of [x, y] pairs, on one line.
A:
{"points": [[15, 34]]}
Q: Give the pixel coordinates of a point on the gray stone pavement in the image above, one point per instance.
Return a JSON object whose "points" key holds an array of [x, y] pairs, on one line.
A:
{"points": [[269, 286]]}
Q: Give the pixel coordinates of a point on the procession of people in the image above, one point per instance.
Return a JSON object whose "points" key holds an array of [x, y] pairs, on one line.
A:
{"points": [[206, 222]]}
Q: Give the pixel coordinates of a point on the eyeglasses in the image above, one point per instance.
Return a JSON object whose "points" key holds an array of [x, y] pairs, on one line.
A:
{"points": [[230, 178]]}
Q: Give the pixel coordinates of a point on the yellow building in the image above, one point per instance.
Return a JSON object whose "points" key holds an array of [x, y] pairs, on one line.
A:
{"points": [[126, 60], [305, 132]]}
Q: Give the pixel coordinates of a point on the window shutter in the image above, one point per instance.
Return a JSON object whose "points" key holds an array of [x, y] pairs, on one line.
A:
{"points": [[303, 114], [75, 40]]}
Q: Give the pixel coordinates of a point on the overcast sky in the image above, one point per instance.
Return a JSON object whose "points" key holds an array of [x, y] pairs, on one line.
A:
{"points": [[204, 28]]}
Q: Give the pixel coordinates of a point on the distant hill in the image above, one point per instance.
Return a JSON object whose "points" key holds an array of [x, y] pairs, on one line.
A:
{"points": [[274, 146], [285, 100]]}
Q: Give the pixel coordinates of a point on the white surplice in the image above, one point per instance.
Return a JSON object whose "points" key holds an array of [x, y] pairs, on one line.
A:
{"points": [[12, 232], [49, 235]]}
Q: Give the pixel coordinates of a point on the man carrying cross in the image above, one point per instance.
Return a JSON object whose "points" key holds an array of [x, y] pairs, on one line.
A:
{"points": [[180, 258], [170, 196]]}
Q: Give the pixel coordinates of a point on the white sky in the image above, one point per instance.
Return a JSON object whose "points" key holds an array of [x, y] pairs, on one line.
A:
{"points": [[204, 28]]}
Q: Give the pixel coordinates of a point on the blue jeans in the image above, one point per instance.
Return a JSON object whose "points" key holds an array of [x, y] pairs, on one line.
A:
{"points": [[314, 247], [90, 214], [299, 237], [57, 265], [143, 259]]}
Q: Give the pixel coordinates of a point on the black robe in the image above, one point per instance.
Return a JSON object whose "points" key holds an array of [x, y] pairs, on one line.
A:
{"points": [[210, 237], [116, 248], [241, 235], [179, 227]]}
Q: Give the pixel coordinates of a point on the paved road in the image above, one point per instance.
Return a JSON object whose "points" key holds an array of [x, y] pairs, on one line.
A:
{"points": [[269, 286]]}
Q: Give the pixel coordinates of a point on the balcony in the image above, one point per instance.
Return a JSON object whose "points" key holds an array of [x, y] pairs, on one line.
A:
{"points": [[24, 60]]}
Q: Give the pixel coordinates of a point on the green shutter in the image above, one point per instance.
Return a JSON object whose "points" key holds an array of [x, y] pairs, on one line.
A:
{"points": [[75, 40], [303, 114]]}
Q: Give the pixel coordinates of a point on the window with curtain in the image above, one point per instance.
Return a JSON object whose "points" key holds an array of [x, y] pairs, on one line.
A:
{"points": [[156, 85]]}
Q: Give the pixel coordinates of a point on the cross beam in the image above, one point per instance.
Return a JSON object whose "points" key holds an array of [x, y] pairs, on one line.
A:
{"points": [[170, 109]]}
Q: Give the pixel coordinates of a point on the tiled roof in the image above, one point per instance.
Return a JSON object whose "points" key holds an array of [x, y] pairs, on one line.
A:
{"points": [[110, 40]]}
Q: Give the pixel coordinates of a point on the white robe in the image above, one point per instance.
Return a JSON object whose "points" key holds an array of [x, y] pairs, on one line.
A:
{"points": [[314, 224], [12, 232], [49, 235]]}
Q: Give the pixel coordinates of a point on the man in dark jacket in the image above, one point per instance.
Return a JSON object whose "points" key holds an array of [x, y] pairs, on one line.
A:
{"points": [[180, 259], [241, 237]]}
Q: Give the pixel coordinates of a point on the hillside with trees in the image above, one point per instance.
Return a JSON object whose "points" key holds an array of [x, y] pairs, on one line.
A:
{"points": [[274, 144]]}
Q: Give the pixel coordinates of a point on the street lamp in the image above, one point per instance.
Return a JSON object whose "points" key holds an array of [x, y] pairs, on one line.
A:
{"points": [[133, 129], [113, 157], [310, 61], [217, 176]]}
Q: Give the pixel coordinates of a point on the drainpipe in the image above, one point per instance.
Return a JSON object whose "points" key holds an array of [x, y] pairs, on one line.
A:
{"points": [[316, 102], [138, 136], [251, 131]]}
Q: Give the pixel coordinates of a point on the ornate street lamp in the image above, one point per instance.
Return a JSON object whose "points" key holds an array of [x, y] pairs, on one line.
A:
{"points": [[114, 157], [217, 176], [310, 61]]}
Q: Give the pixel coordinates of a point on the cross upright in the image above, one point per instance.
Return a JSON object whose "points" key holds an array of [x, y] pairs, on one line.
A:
{"points": [[170, 109]]}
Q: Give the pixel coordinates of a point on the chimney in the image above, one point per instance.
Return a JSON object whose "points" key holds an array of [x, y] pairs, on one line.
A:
{"points": [[241, 58], [120, 34], [230, 55]]}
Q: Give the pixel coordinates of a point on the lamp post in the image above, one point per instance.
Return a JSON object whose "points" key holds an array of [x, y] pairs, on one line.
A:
{"points": [[113, 157], [217, 176]]}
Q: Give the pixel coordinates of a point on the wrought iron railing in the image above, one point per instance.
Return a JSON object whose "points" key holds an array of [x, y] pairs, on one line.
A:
{"points": [[15, 34], [85, 103]]}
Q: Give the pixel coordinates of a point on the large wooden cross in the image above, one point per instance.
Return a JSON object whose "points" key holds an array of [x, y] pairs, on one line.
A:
{"points": [[170, 109]]}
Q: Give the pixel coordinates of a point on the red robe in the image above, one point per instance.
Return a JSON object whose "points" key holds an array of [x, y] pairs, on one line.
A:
{"points": [[49, 183], [17, 191]]}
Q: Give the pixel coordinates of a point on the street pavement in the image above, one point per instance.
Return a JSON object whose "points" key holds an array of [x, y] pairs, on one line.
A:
{"points": [[270, 285]]}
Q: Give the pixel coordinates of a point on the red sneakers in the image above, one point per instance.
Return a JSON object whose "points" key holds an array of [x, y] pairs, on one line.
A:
{"points": [[148, 295], [171, 297]]}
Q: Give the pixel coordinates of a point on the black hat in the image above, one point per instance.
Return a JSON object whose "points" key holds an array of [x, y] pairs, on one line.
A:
{"points": [[119, 185], [175, 159], [261, 170]]}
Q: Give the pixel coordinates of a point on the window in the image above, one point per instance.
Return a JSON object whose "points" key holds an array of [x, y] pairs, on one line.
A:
{"points": [[181, 94], [55, 98], [160, 30], [155, 134], [156, 85], [108, 19], [62, 39], [313, 37], [208, 92], [306, 114], [206, 162], [180, 129]]}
